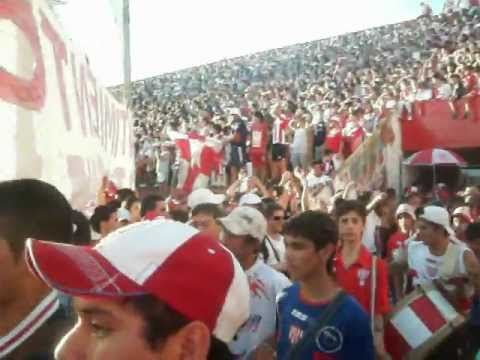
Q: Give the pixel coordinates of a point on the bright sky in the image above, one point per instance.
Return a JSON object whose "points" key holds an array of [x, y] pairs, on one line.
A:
{"points": [[168, 35]]}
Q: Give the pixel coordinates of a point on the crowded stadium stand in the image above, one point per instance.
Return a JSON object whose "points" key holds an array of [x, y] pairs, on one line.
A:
{"points": [[427, 69]]}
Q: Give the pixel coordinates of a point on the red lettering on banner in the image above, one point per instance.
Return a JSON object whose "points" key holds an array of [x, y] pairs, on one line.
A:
{"points": [[30, 93], [60, 55]]}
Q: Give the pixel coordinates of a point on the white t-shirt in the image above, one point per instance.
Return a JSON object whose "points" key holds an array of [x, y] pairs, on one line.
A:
{"points": [[444, 91], [313, 180], [423, 95], [265, 284], [299, 144], [428, 267], [279, 246]]}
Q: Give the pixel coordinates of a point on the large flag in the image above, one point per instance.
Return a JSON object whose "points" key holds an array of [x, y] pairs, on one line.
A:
{"points": [[199, 158]]}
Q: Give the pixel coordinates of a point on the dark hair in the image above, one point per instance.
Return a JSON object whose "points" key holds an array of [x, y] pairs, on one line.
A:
{"points": [[314, 226], [161, 321], [125, 194], [101, 213], [473, 231], [150, 203], [317, 162], [33, 208], [391, 193], [351, 206], [179, 215], [208, 209], [81, 234], [130, 201], [259, 116], [115, 204], [270, 208]]}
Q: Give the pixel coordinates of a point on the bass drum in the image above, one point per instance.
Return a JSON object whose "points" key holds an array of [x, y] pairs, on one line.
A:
{"points": [[419, 323]]}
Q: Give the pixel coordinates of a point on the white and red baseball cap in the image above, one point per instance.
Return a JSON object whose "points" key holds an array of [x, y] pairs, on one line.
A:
{"points": [[191, 272]]}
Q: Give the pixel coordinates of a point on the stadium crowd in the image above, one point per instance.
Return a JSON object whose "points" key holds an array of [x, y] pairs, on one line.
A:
{"points": [[337, 90], [270, 262]]}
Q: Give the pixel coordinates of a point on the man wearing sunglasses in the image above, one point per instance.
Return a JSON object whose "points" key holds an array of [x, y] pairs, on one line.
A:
{"points": [[274, 241]]}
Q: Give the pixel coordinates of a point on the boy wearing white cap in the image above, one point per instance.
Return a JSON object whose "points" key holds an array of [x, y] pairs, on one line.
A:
{"points": [[244, 230], [152, 290], [440, 256]]}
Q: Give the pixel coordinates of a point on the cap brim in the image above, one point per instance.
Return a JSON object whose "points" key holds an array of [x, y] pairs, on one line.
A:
{"points": [[77, 270], [447, 228]]}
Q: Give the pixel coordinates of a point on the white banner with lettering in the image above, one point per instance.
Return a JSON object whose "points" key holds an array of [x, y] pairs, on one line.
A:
{"points": [[56, 122]]}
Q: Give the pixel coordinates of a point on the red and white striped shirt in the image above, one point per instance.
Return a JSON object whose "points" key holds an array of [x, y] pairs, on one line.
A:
{"points": [[278, 131]]}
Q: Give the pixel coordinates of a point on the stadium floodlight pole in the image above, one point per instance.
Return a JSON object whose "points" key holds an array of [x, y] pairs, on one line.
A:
{"points": [[126, 53]]}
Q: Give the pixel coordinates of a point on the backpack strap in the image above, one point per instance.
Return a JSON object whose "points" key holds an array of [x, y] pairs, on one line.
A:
{"points": [[323, 320]]}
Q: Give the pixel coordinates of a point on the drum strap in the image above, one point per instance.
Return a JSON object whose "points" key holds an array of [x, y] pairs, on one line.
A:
{"points": [[373, 290]]}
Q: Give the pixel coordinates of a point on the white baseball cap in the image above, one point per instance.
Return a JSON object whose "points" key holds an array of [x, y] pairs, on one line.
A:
{"points": [[204, 196], [438, 215], [405, 209], [249, 199], [245, 220], [191, 272]]}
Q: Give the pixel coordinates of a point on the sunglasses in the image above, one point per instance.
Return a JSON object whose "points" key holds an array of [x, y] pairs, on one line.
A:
{"points": [[278, 218]]}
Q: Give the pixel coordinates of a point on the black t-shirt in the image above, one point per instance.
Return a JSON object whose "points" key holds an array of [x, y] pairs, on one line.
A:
{"points": [[240, 132], [458, 91]]}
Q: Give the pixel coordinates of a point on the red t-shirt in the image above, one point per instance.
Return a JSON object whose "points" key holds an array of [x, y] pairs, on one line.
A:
{"points": [[470, 81], [356, 280], [259, 137], [332, 142], [395, 241]]}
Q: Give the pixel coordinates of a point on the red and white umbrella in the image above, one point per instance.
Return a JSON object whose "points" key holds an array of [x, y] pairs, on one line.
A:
{"points": [[432, 157]]}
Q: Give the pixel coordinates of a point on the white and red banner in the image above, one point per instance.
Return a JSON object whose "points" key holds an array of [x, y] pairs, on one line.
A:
{"points": [[376, 163], [57, 123]]}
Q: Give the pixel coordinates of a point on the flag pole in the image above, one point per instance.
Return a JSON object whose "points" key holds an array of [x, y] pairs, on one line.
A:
{"points": [[126, 54]]}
